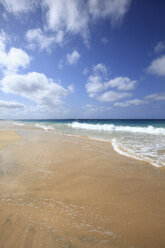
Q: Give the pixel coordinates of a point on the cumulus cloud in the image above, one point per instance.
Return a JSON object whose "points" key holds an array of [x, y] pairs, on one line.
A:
{"points": [[11, 105], [94, 84], [98, 82], [157, 66], [36, 87], [122, 83], [160, 46], [100, 68], [12, 60], [112, 96], [135, 102], [37, 38], [73, 57]]}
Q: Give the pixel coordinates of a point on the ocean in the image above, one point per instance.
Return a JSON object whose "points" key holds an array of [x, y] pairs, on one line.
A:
{"points": [[139, 139]]}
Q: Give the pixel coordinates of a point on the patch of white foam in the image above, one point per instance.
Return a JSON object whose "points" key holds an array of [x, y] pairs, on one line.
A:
{"points": [[130, 153], [19, 124], [122, 151], [45, 127], [112, 128]]}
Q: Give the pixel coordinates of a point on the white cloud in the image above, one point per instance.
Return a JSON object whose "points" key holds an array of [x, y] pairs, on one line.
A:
{"points": [[110, 9], [135, 102], [156, 97], [70, 16], [100, 68], [71, 88], [36, 87], [85, 71], [76, 16], [36, 37], [112, 96], [147, 99], [73, 57], [98, 82], [11, 105], [18, 6], [159, 47], [121, 104], [122, 83], [94, 84], [3, 40], [88, 108], [12, 60], [157, 66]]}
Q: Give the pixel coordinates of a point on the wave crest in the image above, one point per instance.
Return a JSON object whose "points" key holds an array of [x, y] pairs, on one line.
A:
{"points": [[112, 128]]}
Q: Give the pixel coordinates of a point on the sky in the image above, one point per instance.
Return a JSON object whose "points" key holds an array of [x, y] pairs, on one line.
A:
{"points": [[64, 59]]}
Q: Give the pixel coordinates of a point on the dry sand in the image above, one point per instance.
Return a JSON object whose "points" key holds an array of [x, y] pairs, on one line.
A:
{"points": [[59, 191]]}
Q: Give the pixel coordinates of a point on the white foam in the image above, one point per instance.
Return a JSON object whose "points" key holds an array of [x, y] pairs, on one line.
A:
{"points": [[45, 127], [130, 153], [19, 124], [112, 128], [122, 151], [142, 143]]}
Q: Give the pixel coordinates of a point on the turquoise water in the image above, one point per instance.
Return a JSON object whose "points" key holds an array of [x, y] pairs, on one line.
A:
{"points": [[140, 139]]}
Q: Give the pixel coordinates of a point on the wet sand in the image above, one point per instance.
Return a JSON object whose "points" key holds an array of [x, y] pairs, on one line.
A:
{"points": [[7, 137], [67, 192]]}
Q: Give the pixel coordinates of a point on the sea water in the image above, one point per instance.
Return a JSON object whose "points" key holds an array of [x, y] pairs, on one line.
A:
{"points": [[140, 139]]}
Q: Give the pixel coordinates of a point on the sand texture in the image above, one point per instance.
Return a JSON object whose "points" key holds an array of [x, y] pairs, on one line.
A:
{"points": [[59, 191], [7, 137]]}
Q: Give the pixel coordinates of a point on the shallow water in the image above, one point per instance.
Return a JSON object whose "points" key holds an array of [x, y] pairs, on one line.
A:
{"points": [[140, 139]]}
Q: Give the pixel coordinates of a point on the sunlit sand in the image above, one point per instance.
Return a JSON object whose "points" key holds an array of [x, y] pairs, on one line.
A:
{"points": [[62, 191]]}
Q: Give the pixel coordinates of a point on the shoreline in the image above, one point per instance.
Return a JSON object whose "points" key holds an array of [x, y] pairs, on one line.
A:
{"points": [[117, 149], [61, 191]]}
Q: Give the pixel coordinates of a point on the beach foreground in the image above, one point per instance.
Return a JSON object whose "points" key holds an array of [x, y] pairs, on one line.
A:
{"points": [[7, 137], [66, 192]]}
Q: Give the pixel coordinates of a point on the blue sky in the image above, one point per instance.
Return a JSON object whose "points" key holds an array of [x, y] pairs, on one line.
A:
{"points": [[82, 59]]}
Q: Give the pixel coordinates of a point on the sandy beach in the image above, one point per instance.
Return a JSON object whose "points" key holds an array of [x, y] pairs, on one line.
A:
{"points": [[7, 137], [59, 191]]}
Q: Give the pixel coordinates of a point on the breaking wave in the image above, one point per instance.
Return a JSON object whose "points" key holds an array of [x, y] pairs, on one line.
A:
{"points": [[112, 128]]}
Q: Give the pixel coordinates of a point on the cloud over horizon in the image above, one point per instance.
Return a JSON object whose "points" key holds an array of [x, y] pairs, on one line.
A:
{"points": [[36, 87], [11, 105]]}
